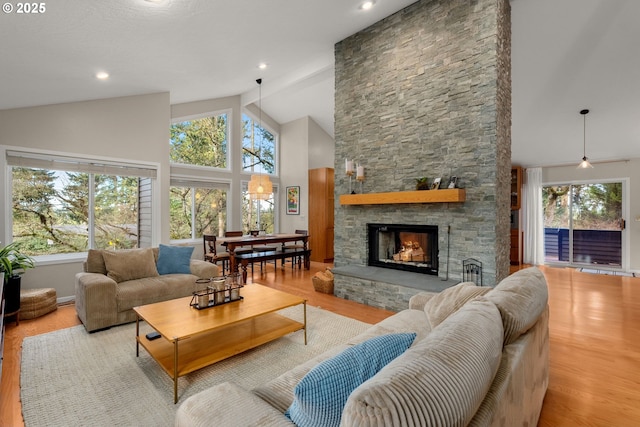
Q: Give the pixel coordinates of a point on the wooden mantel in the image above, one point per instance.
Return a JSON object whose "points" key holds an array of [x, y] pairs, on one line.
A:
{"points": [[454, 195]]}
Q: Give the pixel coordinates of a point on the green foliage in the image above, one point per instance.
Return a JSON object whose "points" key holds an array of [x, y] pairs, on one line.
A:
{"points": [[422, 183], [13, 261], [258, 147], [201, 142], [51, 211], [593, 207], [210, 206]]}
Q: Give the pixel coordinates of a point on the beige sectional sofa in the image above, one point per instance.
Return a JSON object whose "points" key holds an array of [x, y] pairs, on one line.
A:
{"points": [[480, 358], [113, 282]]}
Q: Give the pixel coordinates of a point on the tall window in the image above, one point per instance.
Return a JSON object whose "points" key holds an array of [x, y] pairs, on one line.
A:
{"points": [[258, 214], [201, 142], [69, 207], [583, 223], [258, 147], [196, 211]]}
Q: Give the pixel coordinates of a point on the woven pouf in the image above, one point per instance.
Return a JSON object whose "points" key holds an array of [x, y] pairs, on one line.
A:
{"points": [[37, 302]]}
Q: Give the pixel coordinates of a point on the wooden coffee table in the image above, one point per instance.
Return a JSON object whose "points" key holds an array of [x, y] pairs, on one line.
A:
{"points": [[192, 339]]}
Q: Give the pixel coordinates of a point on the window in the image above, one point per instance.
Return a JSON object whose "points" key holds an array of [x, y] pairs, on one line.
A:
{"points": [[200, 142], [197, 210], [258, 147], [258, 214], [74, 205], [583, 223]]}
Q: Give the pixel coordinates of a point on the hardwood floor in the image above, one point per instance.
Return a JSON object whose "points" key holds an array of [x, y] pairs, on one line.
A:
{"points": [[594, 337]]}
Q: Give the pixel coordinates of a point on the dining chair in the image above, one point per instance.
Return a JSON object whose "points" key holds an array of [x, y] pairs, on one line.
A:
{"points": [[211, 253], [240, 250], [294, 245]]}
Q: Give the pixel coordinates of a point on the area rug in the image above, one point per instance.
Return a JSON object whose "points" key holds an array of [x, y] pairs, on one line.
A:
{"points": [[72, 378]]}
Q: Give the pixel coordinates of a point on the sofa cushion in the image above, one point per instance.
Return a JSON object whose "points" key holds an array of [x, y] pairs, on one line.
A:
{"points": [[321, 394], [149, 290], [404, 321], [447, 302], [521, 299], [440, 381], [130, 264], [95, 262], [174, 259]]}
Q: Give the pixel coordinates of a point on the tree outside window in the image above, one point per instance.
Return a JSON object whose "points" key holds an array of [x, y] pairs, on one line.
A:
{"points": [[53, 210], [197, 211], [258, 147], [201, 142]]}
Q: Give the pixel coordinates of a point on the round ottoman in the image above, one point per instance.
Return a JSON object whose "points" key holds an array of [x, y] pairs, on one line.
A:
{"points": [[37, 302]]}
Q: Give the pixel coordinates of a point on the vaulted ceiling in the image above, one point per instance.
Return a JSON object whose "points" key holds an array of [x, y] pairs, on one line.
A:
{"points": [[566, 55]]}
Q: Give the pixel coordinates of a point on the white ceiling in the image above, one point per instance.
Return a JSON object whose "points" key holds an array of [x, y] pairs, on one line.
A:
{"points": [[567, 55]]}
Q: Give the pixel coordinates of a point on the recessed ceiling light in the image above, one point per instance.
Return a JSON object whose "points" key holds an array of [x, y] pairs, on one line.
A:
{"points": [[262, 65], [367, 5], [102, 75]]}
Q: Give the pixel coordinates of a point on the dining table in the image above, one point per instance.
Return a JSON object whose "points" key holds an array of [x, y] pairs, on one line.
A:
{"points": [[234, 243]]}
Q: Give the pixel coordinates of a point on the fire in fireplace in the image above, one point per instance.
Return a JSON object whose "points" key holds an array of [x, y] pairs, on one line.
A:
{"points": [[404, 247]]}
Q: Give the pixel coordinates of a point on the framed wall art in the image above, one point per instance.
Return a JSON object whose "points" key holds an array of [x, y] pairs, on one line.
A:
{"points": [[293, 200]]}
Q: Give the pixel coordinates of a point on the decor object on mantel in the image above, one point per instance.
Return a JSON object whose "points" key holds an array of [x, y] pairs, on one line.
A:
{"points": [[422, 183], [436, 184], [455, 195], [360, 176], [584, 164], [349, 171]]}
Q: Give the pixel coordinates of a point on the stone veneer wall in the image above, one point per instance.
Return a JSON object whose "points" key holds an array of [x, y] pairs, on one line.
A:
{"points": [[427, 92]]}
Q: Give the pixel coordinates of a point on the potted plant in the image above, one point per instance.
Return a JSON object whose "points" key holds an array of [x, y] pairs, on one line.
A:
{"points": [[12, 264], [422, 183]]}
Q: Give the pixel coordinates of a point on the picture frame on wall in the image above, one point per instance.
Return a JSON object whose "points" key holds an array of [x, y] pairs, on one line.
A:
{"points": [[293, 200]]}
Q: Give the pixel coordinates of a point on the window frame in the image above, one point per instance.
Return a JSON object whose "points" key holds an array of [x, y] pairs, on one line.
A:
{"points": [[276, 143], [229, 156], [22, 157], [194, 182]]}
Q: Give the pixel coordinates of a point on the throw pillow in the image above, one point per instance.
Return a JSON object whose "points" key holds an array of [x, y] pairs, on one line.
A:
{"points": [[174, 259], [321, 394], [130, 264], [451, 300]]}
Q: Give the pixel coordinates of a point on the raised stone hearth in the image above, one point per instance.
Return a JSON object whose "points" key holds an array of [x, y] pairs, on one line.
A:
{"points": [[384, 288]]}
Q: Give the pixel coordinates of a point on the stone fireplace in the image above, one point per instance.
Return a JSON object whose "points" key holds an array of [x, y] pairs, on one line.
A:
{"points": [[406, 247], [426, 92]]}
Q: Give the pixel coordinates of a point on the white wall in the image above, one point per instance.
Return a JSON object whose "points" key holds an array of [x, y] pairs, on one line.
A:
{"points": [[322, 147], [607, 171], [127, 128], [294, 153]]}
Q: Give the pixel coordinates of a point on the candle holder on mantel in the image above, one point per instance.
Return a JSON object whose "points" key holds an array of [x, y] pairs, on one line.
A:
{"points": [[349, 172], [360, 177]]}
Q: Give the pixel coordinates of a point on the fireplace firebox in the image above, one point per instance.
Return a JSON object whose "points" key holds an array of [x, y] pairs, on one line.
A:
{"points": [[404, 247]]}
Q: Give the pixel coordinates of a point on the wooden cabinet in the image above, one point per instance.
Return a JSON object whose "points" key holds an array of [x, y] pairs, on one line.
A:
{"points": [[321, 200], [516, 187], [516, 202], [516, 247]]}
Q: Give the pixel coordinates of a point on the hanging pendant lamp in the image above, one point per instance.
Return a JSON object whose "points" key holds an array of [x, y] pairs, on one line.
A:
{"points": [[584, 164], [260, 186]]}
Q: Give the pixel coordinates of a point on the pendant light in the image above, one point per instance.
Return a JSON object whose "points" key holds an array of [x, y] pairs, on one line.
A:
{"points": [[260, 187], [585, 162]]}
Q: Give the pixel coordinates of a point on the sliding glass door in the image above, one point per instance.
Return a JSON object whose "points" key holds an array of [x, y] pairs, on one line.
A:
{"points": [[584, 224]]}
